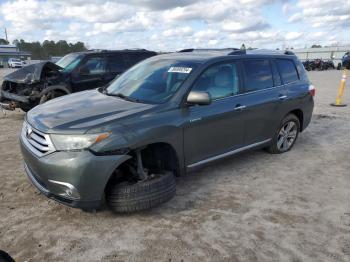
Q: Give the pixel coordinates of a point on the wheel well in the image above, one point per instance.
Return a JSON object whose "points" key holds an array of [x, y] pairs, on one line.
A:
{"points": [[156, 158], [160, 156], [300, 115]]}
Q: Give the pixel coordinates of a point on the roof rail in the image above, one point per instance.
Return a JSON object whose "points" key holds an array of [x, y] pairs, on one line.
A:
{"points": [[97, 50], [238, 52], [288, 52], [188, 50]]}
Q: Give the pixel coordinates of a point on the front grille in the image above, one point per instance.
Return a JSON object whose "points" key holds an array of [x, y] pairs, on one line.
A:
{"points": [[39, 143]]}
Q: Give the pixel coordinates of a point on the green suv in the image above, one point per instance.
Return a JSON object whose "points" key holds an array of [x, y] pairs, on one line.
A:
{"points": [[125, 143]]}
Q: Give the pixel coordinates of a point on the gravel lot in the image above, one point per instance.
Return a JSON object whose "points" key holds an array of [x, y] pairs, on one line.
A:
{"points": [[252, 207]]}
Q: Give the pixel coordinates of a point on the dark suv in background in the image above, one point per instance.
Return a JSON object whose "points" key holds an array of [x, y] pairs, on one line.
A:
{"points": [[38, 83], [170, 114]]}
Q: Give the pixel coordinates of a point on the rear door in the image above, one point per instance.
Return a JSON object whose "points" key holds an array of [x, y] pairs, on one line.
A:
{"points": [[293, 91], [91, 73], [133, 58], [116, 65], [218, 128], [260, 99]]}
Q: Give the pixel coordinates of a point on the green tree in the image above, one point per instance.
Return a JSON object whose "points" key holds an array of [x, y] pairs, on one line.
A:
{"points": [[49, 48], [3, 41]]}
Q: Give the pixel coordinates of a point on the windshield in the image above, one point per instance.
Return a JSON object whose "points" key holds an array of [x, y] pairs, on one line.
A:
{"points": [[69, 62], [15, 60], [152, 81]]}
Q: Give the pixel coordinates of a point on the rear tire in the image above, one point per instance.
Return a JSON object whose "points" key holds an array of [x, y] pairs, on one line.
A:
{"points": [[284, 139], [125, 197]]}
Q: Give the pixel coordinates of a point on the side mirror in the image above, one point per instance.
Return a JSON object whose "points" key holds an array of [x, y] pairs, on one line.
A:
{"points": [[84, 71], [198, 98]]}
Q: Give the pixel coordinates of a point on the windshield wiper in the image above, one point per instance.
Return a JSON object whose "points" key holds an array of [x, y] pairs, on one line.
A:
{"points": [[122, 96]]}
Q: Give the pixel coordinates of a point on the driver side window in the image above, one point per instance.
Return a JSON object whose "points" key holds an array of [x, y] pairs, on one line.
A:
{"points": [[220, 80], [94, 66]]}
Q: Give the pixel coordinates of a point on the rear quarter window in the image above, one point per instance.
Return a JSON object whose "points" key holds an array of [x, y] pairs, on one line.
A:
{"points": [[287, 70]]}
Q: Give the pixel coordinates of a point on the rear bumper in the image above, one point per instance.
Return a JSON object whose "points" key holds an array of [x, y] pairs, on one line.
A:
{"points": [[76, 179]]}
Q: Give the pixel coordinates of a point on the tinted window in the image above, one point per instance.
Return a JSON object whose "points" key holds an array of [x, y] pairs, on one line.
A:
{"points": [[69, 62], [288, 71], [116, 64], [94, 66], [219, 81], [276, 75], [258, 75], [134, 58], [301, 71]]}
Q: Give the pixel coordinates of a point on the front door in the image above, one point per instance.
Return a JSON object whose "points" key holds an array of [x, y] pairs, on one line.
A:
{"points": [[218, 128], [90, 74]]}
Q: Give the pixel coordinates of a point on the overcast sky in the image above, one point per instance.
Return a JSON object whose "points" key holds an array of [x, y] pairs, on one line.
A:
{"points": [[175, 24]]}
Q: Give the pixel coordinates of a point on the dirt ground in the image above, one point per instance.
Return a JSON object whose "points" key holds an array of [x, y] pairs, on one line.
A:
{"points": [[252, 207]]}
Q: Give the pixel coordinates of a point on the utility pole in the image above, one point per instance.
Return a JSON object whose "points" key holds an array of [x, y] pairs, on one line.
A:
{"points": [[6, 35]]}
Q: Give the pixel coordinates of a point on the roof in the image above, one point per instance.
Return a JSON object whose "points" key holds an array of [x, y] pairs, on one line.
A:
{"points": [[202, 55], [92, 51]]}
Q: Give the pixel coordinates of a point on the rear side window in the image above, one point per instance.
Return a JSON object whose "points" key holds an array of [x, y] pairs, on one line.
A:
{"points": [[116, 64], [287, 70], [258, 75]]}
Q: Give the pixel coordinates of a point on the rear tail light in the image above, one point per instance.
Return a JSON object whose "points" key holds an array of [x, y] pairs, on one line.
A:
{"points": [[312, 90]]}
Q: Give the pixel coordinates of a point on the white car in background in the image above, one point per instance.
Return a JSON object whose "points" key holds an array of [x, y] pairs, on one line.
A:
{"points": [[14, 62]]}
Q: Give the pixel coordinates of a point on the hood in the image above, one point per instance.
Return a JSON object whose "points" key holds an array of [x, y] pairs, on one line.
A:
{"points": [[79, 112], [31, 73]]}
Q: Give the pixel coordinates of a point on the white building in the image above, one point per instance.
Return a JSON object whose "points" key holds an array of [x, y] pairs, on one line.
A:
{"points": [[11, 51], [334, 53]]}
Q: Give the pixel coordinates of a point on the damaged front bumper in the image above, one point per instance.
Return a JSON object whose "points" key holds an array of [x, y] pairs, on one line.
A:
{"points": [[10, 101], [24, 87], [73, 178]]}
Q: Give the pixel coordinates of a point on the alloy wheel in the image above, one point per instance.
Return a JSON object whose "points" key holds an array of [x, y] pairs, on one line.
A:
{"points": [[286, 136]]}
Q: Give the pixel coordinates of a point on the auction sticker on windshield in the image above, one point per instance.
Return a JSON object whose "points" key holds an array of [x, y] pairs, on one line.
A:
{"points": [[179, 69]]}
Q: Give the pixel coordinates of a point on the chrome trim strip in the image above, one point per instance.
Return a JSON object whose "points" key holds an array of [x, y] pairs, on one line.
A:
{"points": [[230, 153], [71, 194], [35, 143], [255, 91], [38, 146], [39, 139], [70, 186]]}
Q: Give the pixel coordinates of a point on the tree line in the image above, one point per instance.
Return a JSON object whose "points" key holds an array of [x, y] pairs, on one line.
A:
{"points": [[47, 49]]}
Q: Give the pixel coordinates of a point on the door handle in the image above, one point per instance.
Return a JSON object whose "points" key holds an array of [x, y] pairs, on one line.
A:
{"points": [[239, 107], [282, 97]]}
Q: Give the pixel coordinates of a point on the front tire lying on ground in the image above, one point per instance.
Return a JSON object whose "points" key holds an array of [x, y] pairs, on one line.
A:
{"points": [[129, 197], [286, 135]]}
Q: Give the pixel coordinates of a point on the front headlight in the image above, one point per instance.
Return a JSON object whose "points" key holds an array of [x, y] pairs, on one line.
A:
{"points": [[76, 142]]}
